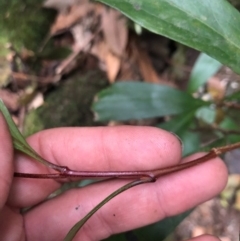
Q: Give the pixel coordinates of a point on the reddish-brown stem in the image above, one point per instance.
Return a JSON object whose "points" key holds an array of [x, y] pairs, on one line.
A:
{"points": [[152, 174], [88, 174]]}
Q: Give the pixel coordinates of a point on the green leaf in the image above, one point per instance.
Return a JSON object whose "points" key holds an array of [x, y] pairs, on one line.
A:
{"points": [[180, 126], [73, 231], [234, 97], [206, 114], [158, 231], [191, 141], [229, 124], [210, 26], [204, 68], [19, 141], [179, 123], [134, 100]]}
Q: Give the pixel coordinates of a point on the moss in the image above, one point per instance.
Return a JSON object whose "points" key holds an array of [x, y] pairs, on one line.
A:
{"points": [[24, 23], [67, 105]]}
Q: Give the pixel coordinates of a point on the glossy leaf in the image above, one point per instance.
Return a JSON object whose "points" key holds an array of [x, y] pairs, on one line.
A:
{"points": [[134, 100], [209, 26], [204, 68]]}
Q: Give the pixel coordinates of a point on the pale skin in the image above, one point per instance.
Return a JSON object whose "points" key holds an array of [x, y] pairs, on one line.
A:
{"points": [[102, 148]]}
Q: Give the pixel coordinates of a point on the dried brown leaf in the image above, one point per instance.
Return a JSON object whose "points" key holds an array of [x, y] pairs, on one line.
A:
{"points": [[66, 20], [113, 65], [100, 50], [61, 5], [144, 63], [115, 30], [147, 70], [110, 62]]}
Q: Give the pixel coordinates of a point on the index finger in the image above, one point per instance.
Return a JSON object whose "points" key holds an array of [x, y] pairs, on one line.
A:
{"points": [[92, 149]]}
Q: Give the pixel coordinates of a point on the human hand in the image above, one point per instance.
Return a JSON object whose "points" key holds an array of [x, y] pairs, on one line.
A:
{"points": [[98, 149]]}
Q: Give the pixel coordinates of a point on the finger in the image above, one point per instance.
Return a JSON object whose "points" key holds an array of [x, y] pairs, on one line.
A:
{"points": [[6, 161], [11, 225], [140, 206], [93, 149], [205, 238]]}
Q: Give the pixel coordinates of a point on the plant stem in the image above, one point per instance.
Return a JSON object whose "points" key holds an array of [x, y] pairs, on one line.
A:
{"points": [[153, 174]]}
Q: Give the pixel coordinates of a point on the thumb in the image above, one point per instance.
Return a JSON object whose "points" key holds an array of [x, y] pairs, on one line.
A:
{"points": [[6, 161]]}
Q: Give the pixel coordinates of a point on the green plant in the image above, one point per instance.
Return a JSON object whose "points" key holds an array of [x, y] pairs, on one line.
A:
{"points": [[188, 116], [208, 26]]}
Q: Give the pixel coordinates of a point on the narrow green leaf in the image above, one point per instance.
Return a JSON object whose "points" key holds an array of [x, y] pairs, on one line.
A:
{"points": [[134, 100], [73, 231], [211, 26], [204, 68], [19, 141]]}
